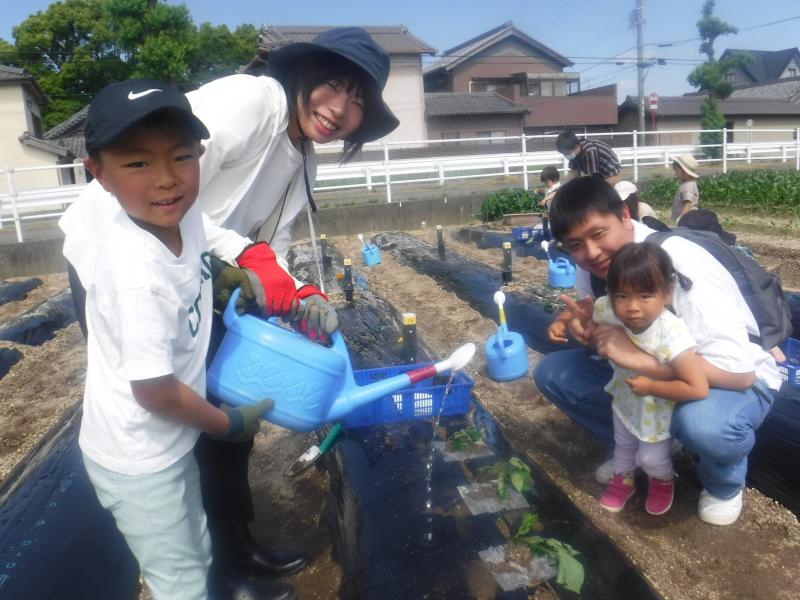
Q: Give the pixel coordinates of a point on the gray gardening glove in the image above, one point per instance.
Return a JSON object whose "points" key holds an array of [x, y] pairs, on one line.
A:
{"points": [[315, 317], [245, 421]]}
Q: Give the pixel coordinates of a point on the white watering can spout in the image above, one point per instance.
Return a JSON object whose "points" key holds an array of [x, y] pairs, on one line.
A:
{"points": [[361, 239], [354, 396]]}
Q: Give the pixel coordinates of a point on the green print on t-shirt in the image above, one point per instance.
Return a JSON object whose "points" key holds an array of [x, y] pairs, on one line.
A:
{"points": [[194, 309]]}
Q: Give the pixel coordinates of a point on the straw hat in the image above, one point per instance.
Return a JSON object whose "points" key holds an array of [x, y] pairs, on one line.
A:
{"points": [[688, 163]]}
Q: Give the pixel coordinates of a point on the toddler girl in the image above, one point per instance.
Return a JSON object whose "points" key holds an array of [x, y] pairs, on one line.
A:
{"points": [[640, 283]]}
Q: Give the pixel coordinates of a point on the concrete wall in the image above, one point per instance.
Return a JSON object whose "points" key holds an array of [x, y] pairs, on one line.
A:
{"points": [[405, 96], [468, 127], [16, 119], [32, 258]]}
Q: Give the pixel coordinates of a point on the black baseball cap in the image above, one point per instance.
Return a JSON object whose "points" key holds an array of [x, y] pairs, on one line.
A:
{"points": [[120, 105]]}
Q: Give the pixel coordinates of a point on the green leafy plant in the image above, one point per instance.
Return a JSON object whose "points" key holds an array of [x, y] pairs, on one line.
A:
{"points": [[507, 201], [465, 437], [514, 472], [560, 554]]}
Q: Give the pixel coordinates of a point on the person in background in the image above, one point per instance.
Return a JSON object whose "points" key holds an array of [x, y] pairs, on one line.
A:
{"points": [[257, 175], [148, 311], [589, 157], [550, 178], [637, 209], [688, 195], [640, 283]]}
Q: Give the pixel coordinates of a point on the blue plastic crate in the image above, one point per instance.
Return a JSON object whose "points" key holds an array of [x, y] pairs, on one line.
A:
{"points": [[522, 234], [421, 401], [790, 368]]}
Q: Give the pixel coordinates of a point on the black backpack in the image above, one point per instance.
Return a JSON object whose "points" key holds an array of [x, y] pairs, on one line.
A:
{"points": [[760, 289]]}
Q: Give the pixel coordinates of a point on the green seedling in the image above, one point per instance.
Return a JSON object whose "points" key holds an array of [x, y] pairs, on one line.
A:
{"points": [[560, 554], [465, 437], [514, 472]]}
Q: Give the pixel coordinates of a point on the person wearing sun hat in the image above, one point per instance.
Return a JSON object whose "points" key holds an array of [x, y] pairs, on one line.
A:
{"points": [[257, 174], [688, 195], [629, 194]]}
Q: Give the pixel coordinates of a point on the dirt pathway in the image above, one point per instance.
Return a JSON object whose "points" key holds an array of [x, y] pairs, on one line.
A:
{"points": [[680, 556]]}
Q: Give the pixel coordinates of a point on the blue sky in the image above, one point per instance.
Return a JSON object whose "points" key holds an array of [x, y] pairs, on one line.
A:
{"points": [[586, 31]]}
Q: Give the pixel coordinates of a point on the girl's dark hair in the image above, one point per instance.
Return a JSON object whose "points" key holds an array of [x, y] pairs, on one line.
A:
{"points": [[643, 267], [549, 174], [326, 67], [580, 197]]}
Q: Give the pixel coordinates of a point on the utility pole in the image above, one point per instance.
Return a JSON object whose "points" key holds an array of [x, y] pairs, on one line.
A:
{"points": [[639, 19]]}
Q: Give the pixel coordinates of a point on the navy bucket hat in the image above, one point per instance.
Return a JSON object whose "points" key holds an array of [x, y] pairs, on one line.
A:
{"points": [[357, 46]]}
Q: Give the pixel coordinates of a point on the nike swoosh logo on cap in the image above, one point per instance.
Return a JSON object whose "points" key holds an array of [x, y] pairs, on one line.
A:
{"points": [[137, 95]]}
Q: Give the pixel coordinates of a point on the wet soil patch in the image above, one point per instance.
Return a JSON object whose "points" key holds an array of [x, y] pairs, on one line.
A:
{"points": [[11, 291], [40, 323]]}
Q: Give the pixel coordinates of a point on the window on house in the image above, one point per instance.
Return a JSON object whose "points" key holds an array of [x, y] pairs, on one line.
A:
{"points": [[534, 88], [792, 72], [729, 77], [450, 135], [492, 136], [547, 88], [37, 126], [729, 136]]}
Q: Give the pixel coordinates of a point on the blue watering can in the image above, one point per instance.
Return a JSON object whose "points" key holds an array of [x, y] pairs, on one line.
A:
{"points": [[560, 271], [506, 356], [311, 384], [370, 253]]}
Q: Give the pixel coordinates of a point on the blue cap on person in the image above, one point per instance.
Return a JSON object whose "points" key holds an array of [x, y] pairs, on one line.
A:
{"points": [[120, 105], [356, 45]]}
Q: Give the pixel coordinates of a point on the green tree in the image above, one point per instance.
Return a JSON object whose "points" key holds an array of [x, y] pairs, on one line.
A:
{"points": [[710, 76], [220, 52], [75, 47]]}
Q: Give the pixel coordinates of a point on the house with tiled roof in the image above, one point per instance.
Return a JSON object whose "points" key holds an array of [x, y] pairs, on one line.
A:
{"points": [[510, 63], [742, 113], [403, 93], [766, 65], [456, 115], [21, 137]]}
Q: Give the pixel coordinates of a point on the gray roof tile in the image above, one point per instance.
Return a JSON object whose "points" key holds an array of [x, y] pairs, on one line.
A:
{"points": [[450, 104], [766, 64]]}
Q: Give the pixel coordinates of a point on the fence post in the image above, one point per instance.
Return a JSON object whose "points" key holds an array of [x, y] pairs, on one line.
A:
{"points": [[783, 153], [386, 172], [635, 157], [12, 194], [524, 162], [505, 167], [749, 142], [441, 172], [724, 149], [368, 177], [797, 149]]}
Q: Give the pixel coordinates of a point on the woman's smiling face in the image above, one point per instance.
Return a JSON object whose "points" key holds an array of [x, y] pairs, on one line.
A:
{"points": [[333, 112]]}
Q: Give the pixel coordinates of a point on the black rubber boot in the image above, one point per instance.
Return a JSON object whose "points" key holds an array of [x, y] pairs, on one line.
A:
{"points": [[234, 587], [253, 560]]}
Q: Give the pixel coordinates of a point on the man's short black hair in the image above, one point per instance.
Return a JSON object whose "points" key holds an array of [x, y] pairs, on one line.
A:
{"points": [[566, 141], [549, 174], [579, 198]]}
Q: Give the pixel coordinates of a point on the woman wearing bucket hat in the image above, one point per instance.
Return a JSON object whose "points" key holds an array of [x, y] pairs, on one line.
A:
{"points": [[688, 196], [256, 176]]}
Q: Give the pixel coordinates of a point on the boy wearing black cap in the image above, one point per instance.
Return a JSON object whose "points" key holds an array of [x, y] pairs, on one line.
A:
{"points": [[148, 312]]}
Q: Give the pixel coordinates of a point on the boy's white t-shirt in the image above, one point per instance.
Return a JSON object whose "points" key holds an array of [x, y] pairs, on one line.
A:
{"points": [[148, 314], [713, 308], [646, 417]]}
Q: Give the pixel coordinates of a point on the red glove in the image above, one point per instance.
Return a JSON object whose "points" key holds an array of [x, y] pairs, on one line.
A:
{"points": [[278, 290]]}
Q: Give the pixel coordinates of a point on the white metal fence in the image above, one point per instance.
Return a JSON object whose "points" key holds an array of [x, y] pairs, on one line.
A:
{"points": [[389, 165]]}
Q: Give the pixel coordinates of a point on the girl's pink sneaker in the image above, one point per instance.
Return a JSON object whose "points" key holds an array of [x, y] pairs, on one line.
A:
{"points": [[617, 492], [659, 495]]}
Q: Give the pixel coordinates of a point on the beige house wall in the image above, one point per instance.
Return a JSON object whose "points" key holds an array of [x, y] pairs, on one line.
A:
{"points": [[16, 110], [468, 127], [405, 96]]}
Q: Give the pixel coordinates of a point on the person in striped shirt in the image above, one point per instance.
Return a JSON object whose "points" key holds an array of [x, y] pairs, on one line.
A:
{"points": [[589, 157]]}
